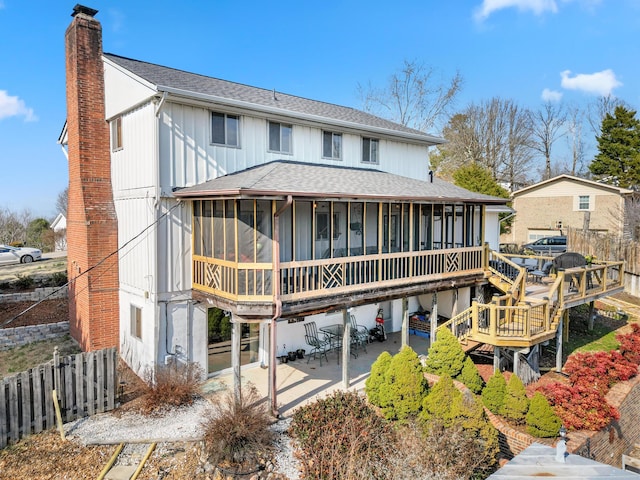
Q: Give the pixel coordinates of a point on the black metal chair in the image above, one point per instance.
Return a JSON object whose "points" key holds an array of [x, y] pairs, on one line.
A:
{"points": [[319, 346], [359, 334]]}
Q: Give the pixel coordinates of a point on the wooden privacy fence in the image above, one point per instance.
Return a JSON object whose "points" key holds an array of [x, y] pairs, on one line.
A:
{"points": [[606, 247], [85, 384]]}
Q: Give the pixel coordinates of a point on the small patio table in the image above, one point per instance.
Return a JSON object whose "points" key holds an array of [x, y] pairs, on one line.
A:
{"points": [[335, 333]]}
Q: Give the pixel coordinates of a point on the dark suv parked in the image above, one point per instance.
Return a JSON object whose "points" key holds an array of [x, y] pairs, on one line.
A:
{"points": [[548, 245]]}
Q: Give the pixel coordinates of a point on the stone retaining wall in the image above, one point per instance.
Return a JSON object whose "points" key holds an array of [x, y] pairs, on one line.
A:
{"points": [[18, 336], [37, 295]]}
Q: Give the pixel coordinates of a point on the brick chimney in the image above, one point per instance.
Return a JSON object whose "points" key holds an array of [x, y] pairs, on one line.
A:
{"points": [[92, 228]]}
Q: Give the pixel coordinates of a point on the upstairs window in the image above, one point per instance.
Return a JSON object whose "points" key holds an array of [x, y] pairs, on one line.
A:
{"points": [[116, 134], [369, 150], [332, 145], [280, 137], [583, 202], [225, 129]]}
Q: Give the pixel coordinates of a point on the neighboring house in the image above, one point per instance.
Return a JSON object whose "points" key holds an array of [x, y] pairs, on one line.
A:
{"points": [[273, 208], [59, 227], [547, 208]]}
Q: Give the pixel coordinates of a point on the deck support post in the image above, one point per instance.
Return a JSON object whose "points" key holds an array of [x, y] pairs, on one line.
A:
{"points": [[346, 347], [516, 362], [236, 337], [496, 359], [405, 322], [434, 319], [559, 346], [591, 315]]}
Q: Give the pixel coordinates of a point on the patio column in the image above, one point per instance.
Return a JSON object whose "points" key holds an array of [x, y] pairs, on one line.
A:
{"points": [[405, 321], [346, 347], [434, 319], [236, 337]]}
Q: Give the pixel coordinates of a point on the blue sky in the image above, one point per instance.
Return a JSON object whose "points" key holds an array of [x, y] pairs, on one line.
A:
{"points": [[525, 50]]}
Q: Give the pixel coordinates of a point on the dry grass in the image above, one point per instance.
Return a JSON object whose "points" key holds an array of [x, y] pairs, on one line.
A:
{"points": [[28, 356], [172, 385]]}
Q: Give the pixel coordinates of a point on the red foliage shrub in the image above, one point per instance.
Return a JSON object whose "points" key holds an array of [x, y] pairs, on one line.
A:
{"points": [[580, 406], [600, 370], [630, 344]]}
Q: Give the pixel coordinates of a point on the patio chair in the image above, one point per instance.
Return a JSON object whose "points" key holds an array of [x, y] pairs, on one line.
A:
{"points": [[359, 334], [319, 346]]}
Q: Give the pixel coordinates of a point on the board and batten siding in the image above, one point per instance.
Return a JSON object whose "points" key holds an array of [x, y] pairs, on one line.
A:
{"points": [[123, 89], [188, 157]]}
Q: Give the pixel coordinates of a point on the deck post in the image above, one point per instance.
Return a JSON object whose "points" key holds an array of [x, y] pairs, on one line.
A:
{"points": [[346, 346], [236, 337], [516, 362], [565, 322], [559, 345], [496, 359], [405, 321], [591, 319], [434, 318]]}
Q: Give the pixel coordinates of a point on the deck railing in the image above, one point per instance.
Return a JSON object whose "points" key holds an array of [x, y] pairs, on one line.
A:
{"points": [[317, 278]]}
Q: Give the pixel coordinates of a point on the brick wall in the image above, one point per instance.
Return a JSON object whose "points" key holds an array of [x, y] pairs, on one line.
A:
{"points": [[92, 234]]}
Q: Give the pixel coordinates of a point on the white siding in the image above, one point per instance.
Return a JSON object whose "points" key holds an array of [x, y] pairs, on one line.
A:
{"points": [[188, 158], [122, 91]]}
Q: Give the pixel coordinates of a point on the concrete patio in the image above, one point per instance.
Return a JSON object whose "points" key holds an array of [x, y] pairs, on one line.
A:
{"points": [[299, 382]]}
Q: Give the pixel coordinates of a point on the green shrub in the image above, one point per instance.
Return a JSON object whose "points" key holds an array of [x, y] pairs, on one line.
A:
{"points": [[341, 436], [58, 279], [24, 282], [237, 434], [443, 403], [515, 403], [494, 392], [404, 386], [541, 419], [470, 376], [376, 379], [172, 385], [445, 356]]}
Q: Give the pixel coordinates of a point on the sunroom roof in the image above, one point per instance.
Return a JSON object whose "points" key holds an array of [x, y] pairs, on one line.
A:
{"points": [[281, 178]]}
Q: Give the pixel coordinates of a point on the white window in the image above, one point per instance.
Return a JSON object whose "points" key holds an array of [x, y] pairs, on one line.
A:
{"points": [[225, 129], [280, 137], [370, 150], [136, 322], [332, 145], [583, 202], [116, 134]]}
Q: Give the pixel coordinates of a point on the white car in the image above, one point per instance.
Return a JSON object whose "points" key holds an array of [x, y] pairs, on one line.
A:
{"points": [[19, 255]]}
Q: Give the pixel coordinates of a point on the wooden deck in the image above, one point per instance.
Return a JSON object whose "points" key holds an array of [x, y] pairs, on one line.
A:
{"points": [[531, 307]]}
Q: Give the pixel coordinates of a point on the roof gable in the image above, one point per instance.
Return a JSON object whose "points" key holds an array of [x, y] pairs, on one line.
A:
{"points": [[571, 178], [203, 87], [321, 181]]}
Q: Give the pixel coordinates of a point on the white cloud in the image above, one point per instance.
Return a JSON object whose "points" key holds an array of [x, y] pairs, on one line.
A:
{"points": [[551, 95], [14, 107], [538, 7], [600, 83]]}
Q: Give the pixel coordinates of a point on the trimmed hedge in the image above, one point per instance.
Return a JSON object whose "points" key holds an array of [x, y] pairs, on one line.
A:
{"points": [[494, 392], [404, 386]]}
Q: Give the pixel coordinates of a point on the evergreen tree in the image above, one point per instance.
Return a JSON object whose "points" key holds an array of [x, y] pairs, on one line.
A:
{"points": [[470, 376], [516, 403], [542, 421], [373, 384], [476, 178], [404, 388], [618, 158], [445, 356], [494, 392], [444, 402]]}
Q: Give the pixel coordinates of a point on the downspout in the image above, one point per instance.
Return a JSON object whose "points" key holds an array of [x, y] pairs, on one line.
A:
{"points": [[278, 302]]}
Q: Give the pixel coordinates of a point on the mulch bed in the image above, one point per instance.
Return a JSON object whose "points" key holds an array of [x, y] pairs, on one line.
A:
{"points": [[48, 311]]}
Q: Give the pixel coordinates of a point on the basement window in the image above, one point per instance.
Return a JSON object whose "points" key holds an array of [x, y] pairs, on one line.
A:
{"points": [[136, 322], [116, 134]]}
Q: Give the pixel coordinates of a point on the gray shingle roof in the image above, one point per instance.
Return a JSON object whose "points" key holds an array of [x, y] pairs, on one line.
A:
{"points": [[164, 77], [310, 180]]}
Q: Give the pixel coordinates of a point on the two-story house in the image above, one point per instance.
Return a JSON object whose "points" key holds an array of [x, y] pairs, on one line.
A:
{"points": [[191, 196]]}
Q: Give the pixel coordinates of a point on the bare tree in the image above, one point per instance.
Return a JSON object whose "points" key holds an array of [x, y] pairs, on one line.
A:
{"points": [[547, 126], [597, 110], [415, 96], [495, 134], [13, 225], [575, 122], [62, 201]]}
